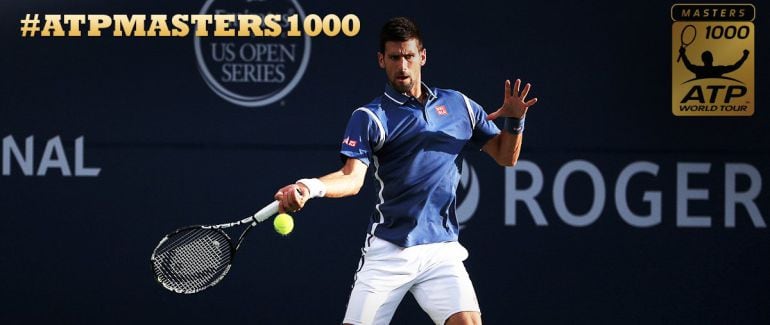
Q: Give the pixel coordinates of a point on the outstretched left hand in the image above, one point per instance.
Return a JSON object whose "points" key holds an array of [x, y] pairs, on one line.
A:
{"points": [[513, 101]]}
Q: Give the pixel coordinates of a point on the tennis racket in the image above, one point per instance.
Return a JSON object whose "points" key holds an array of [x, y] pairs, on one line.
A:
{"points": [[686, 38], [195, 258]]}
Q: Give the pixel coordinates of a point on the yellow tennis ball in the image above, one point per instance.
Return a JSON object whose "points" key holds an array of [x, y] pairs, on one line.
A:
{"points": [[283, 224]]}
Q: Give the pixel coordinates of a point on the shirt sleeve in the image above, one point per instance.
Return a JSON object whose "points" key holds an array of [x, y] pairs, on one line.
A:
{"points": [[361, 136], [484, 130]]}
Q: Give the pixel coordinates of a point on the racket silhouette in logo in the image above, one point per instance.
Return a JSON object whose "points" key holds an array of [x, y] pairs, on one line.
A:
{"points": [[687, 37]]}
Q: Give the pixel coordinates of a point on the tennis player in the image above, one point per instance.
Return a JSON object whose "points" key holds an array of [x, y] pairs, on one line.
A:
{"points": [[414, 135]]}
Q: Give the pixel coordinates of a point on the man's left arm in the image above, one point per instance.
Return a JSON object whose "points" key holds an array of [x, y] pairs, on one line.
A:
{"points": [[504, 148]]}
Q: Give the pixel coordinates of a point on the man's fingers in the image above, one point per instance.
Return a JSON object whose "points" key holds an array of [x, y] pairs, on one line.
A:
{"points": [[287, 199], [287, 205], [516, 86], [291, 198], [525, 91], [280, 198], [520, 96], [296, 197]]}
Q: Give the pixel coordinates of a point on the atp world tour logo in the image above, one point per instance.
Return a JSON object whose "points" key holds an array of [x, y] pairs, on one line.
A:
{"points": [[253, 71], [712, 59]]}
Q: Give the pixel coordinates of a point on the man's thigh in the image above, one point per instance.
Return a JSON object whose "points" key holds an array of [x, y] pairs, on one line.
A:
{"points": [[444, 290], [385, 276]]}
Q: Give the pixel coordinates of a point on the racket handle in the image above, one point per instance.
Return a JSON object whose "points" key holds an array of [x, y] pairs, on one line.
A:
{"points": [[266, 212], [679, 58]]}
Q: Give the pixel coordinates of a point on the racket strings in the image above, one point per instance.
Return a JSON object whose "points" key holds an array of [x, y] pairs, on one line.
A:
{"points": [[184, 237], [688, 35], [193, 259], [193, 265]]}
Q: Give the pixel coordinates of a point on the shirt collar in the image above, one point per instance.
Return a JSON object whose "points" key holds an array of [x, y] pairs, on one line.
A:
{"points": [[400, 98]]}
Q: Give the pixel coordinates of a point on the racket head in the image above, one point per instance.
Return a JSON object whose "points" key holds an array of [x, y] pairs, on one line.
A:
{"points": [[688, 35], [192, 259]]}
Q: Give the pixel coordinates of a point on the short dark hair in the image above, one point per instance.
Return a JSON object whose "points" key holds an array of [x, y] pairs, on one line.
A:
{"points": [[399, 29]]}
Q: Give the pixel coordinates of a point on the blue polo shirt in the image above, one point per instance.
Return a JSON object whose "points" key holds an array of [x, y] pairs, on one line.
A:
{"points": [[416, 152]]}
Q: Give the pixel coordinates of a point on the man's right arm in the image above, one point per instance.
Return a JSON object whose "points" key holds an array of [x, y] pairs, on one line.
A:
{"points": [[687, 63], [345, 182]]}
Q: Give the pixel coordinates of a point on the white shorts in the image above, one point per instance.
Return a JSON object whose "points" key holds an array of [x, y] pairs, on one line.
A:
{"points": [[433, 273]]}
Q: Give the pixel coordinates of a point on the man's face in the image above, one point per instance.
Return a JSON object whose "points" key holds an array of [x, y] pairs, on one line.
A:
{"points": [[402, 62]]}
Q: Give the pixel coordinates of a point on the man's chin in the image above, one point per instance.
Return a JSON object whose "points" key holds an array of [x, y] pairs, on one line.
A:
{"points": [[402, 87]]}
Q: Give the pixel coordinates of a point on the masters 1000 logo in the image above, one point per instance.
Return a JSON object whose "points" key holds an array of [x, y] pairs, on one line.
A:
{"points": [[253, 71], [712, 59]]}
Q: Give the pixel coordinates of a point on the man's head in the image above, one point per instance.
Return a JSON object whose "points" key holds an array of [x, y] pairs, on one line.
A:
{"points": [[707, 58], [401, 54]]}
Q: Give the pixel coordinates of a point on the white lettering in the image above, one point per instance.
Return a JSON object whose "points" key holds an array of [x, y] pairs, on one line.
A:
{"points": [[686, 194], [652, 197], [599, 193], [525, 195], [26, 162], [54, 156], [79, 169], [54, 145], [733, 197]]}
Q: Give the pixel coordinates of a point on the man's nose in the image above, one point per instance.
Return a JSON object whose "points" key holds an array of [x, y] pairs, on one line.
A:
{"points": [[404, 64]]}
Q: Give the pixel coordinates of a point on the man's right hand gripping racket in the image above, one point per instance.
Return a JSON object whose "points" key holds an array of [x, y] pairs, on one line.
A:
{"points": [[195, 258]]}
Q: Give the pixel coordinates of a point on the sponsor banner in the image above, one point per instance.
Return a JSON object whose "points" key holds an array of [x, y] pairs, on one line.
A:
{"points": [[629, 191]]}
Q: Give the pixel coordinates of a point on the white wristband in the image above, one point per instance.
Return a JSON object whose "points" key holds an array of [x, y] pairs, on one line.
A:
{"points": [[316, 187]]}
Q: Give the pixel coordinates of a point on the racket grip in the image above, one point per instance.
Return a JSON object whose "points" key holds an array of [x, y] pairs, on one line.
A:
{"points": [[266, 212]]}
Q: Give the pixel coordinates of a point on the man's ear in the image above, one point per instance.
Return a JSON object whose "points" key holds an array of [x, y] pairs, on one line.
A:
{"points": [[381, 60], [423, 56]]}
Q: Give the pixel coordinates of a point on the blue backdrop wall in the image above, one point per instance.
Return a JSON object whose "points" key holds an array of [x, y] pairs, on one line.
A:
{"points": [[148, 145]]}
